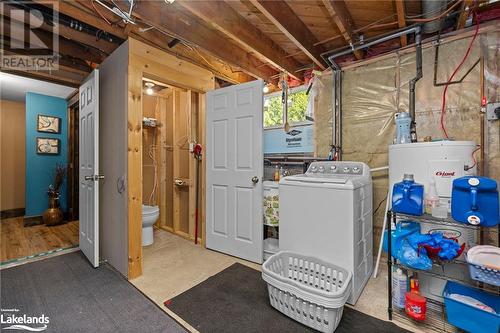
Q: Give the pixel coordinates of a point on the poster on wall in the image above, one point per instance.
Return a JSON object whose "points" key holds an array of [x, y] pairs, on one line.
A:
{"points": [[47, 146], [298, 140], [48, 124]]}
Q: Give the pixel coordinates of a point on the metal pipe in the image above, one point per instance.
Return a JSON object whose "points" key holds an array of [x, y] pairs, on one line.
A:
{"points": [[413, 82], [337, 78]]}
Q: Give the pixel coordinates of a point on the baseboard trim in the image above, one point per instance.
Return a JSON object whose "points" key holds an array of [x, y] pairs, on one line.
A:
{"points": [[30, 221], [11, 213]]}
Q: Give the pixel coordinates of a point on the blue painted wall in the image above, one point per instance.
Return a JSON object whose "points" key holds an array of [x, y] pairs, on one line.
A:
{"points": [[40, 168]]}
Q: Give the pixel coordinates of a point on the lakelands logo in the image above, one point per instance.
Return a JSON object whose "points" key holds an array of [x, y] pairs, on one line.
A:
{"points": [[30, 35], [445, 174], [11, 319]]}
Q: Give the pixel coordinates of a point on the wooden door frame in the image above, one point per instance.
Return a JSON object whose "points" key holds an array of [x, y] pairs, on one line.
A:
{"points": [[153, 63]]}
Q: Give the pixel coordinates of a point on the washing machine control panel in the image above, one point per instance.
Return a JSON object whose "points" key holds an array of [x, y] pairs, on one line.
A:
{"points": [[336, 168]]}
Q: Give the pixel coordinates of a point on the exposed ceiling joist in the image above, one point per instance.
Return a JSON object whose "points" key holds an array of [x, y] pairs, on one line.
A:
{"points": [[285, 19], [400, 10], [225, 19], [59, 77], [221, 70], [462, 19], [169, 18], [83, 11], [343, 20]]}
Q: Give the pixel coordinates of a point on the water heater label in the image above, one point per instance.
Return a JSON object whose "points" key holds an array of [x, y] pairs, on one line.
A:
{"points": [[444, 172]]}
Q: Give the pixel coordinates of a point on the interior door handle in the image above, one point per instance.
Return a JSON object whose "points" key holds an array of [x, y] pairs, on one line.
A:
{"points": [[255, 179]]}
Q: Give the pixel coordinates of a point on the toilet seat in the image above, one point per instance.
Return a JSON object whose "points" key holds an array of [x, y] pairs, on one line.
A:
{"points": [[150, 210]]}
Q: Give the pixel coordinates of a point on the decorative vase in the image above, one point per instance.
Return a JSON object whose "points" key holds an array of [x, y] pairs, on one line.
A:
{"points": [[53, 215]]}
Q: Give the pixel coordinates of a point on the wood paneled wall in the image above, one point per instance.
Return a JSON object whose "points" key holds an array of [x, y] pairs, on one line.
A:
{"points": [[12, 154]]}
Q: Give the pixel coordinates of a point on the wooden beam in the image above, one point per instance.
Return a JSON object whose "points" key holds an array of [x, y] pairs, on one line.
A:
{"points": [[225, 19], [467, 6], [285, 19], [343, 20], [171, 19], [58, 77], [400, 9], [158, 40], [82, 10]]}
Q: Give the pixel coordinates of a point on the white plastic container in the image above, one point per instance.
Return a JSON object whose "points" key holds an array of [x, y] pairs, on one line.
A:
{"points": [[306, 289], [399, 288]]}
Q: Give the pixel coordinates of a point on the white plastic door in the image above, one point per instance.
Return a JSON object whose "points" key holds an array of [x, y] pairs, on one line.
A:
{"points": [[89, 167], [234, 169]]}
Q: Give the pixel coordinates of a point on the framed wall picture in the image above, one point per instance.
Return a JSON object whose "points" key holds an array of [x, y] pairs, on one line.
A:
{"points": [[48, 124], [47, 146]]}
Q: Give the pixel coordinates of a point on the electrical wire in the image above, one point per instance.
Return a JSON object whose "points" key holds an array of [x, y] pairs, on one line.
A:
{"points": [[436, 11], [152, 156], [473, 158], [99, 13], [443, 104]]}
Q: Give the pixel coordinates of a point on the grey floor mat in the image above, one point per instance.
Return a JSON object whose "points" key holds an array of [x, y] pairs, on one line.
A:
{"points": [[79, 298], [236, 300]]}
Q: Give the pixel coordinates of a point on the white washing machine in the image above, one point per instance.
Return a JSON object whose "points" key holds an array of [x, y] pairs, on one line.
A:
{"points": [[327, 213]]}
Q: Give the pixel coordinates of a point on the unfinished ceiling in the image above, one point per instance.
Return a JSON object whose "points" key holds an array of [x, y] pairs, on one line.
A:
{"points": [[238, 40]]}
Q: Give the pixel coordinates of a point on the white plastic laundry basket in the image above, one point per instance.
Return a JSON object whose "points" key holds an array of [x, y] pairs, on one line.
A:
{"points": [[307, 289]]}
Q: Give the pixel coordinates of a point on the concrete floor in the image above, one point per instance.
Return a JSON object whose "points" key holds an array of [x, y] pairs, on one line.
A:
{"points": [[173, 265]]}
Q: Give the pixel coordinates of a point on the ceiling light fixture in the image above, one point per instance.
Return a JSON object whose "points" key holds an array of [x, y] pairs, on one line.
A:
{"points": [[168, 2], [265, 90], [149, 89]]}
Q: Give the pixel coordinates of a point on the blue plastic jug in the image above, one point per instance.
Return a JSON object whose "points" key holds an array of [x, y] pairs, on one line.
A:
{"points": [[408, 197], [474, 200], [403, 230]]}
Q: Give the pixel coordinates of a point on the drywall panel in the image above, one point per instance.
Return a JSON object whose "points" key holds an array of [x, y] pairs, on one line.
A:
{"points": [[40, 167], [113, 198], [12, 154]]}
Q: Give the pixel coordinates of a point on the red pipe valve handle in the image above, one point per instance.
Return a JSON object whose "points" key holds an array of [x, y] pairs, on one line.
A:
{"points": [[197, 151]]}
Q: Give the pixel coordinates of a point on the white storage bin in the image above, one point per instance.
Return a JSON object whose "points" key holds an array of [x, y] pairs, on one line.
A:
{"points": [[307, 289]]}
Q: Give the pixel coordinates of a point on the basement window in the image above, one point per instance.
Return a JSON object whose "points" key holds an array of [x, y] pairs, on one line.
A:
{"points": [[297, 108]]}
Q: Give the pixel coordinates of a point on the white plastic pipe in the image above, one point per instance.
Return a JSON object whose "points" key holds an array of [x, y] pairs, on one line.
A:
{"points": [[379, 169], [375, 271]]}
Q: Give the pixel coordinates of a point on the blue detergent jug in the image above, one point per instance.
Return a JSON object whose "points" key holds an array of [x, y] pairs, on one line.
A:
{"points": [[474, 200], [408, 197], [403, 230]]}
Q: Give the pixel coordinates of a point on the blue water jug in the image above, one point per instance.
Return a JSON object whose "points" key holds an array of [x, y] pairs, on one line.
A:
{"points": [[408, 197], [474, 200], [403, 124]]}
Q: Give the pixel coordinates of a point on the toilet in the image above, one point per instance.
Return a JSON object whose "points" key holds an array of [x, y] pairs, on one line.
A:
{"points": [[150, 215]]}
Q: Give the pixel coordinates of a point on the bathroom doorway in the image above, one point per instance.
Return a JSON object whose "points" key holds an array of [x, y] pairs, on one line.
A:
{"points": [[38, 134], [170, 131]]}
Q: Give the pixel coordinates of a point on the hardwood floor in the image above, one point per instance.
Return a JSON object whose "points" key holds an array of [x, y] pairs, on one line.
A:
{"points": [[18, 241]]}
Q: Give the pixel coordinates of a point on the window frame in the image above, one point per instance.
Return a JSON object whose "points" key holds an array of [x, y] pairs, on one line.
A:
{"points": [[283, 120]]}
